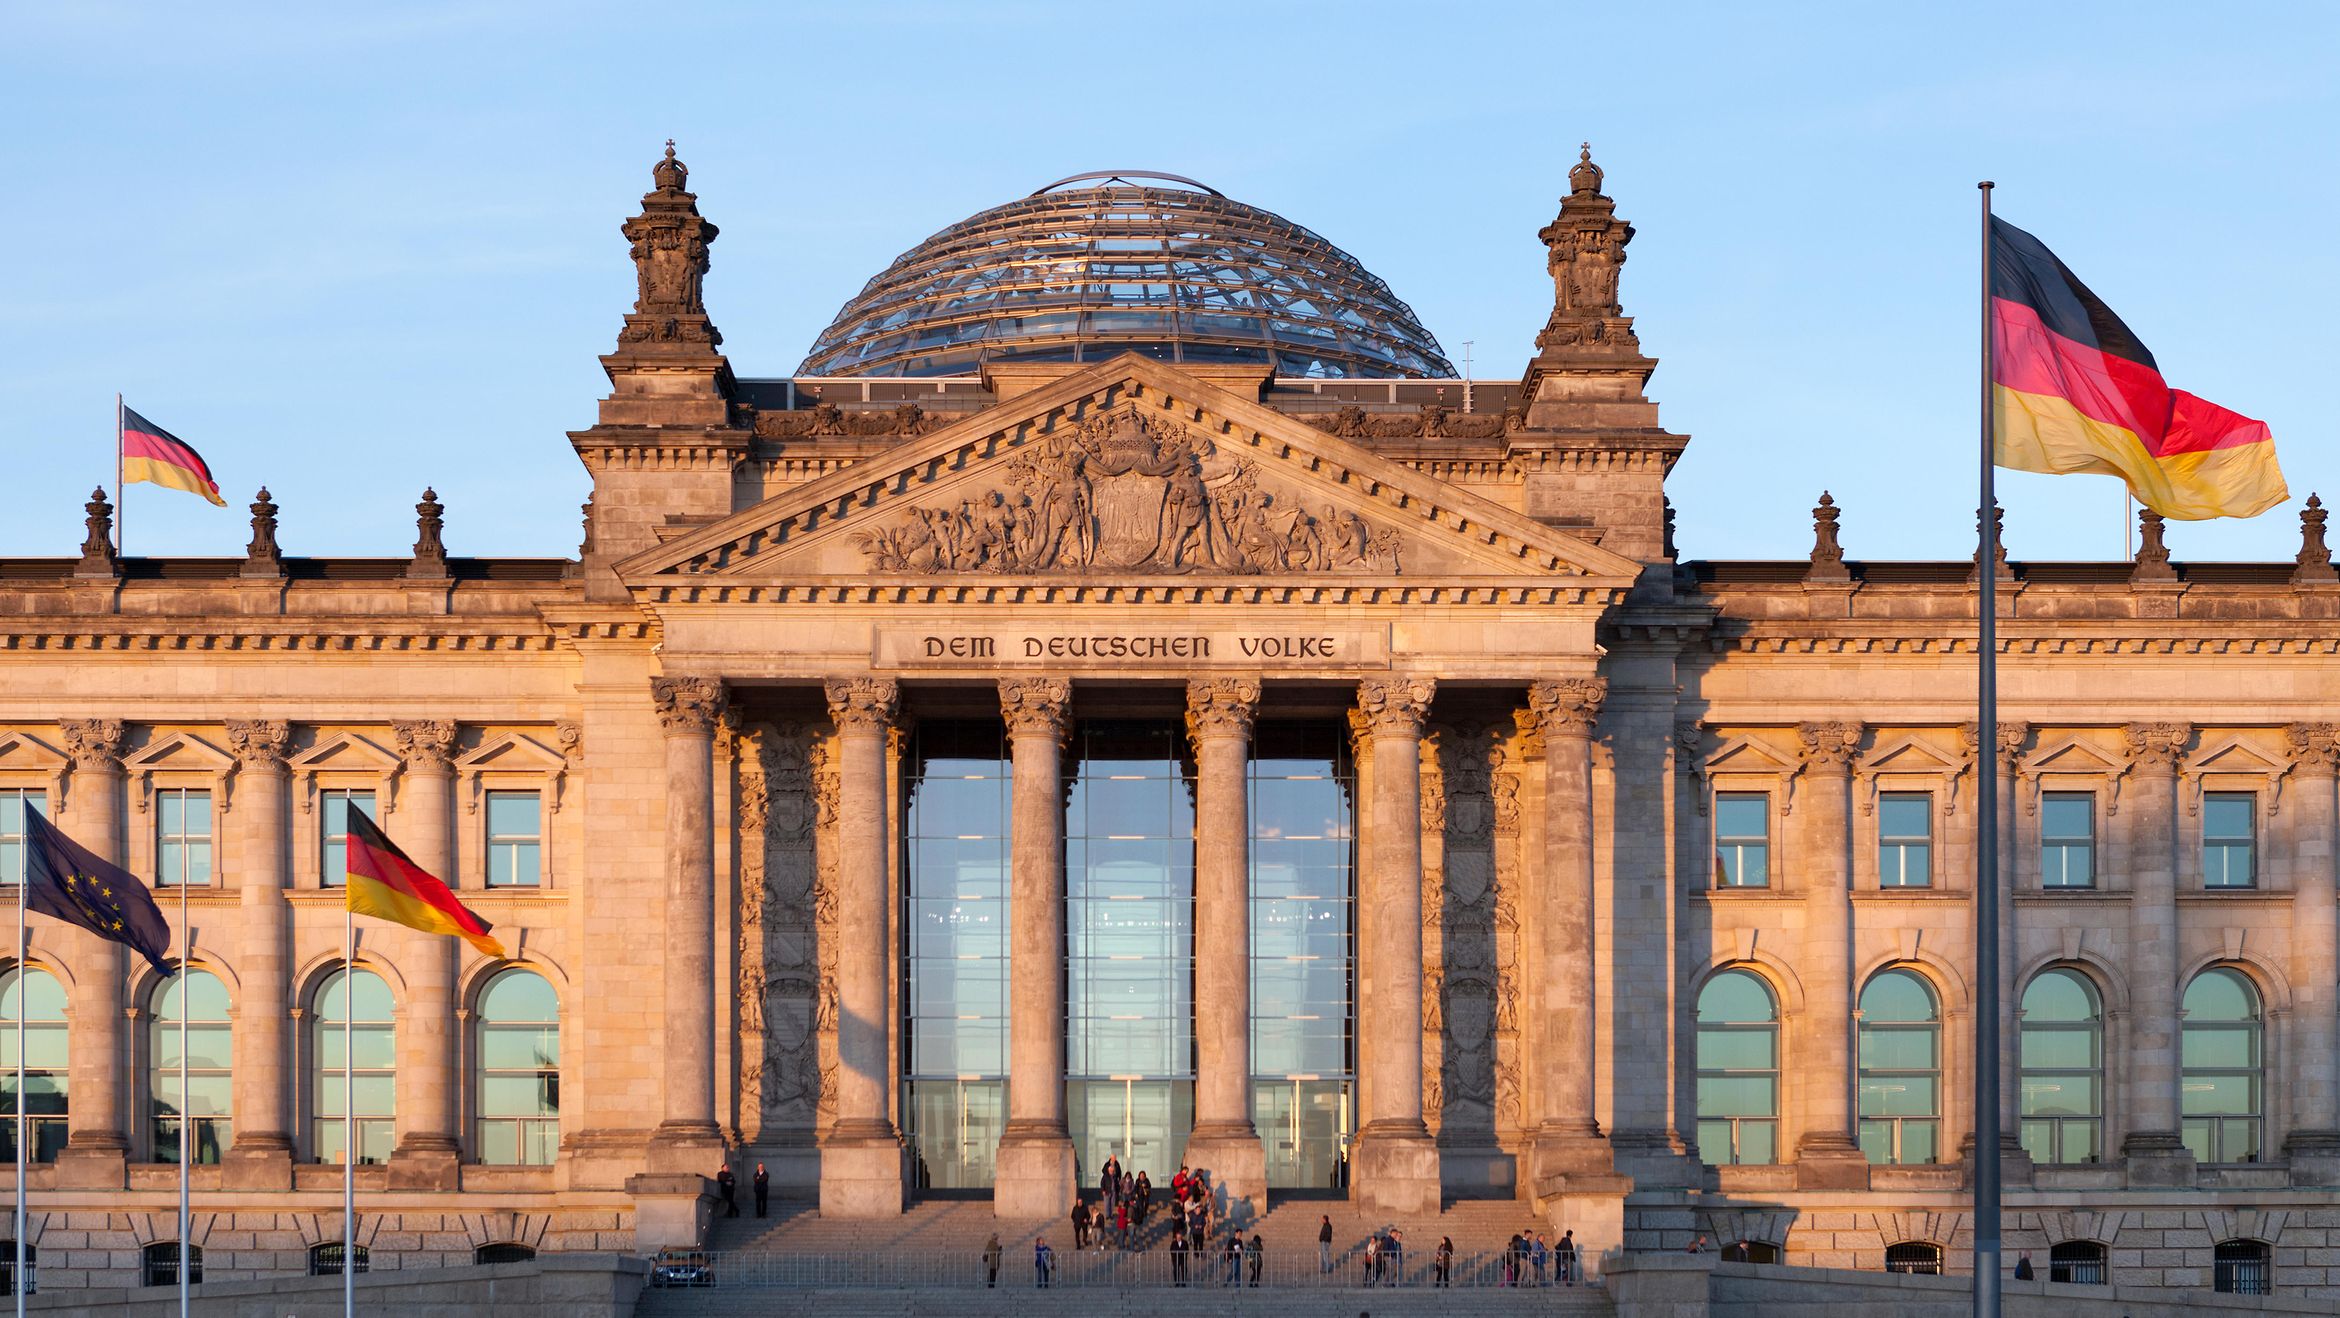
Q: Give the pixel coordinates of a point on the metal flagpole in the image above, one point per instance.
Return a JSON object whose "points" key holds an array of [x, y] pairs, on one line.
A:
{"points": [[119, 526], [23, 874], [348, 1110], [186, 1118], [1986, 850]]}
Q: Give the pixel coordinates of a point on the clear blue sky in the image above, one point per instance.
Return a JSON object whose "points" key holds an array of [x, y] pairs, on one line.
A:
{"points": [[351, 250]]}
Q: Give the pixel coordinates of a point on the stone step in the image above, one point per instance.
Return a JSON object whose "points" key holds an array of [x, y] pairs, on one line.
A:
{"points": [[1022, 1301]]}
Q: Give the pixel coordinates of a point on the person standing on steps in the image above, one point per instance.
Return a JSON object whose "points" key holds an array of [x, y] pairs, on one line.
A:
{"points": [[1145, 1199], [763, 1189], [991, 1255], [727, 1186], [1394, 1257], [1121, 1223], [1178, 1251], [1233, 1254], [1372, 1259], [1445, 1261], [1324, 1244], [1043, 1262], [1566, 1252], [1080, 1221], [1538, 1255], [1257, 1249]]}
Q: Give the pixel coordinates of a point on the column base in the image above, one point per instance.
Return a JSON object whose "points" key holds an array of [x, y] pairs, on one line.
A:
{"points": [[687, 1148], [864, 1177], [92, 1167], [1564, 1159], [2015, 1166], [420, 1166], [1237, 1163], [257, 1162], [1597, 1216], [1393, 1171], [2158, 1160], [670, 1212], [1831, 1162], [2314, 1156], [1032, 1177]]}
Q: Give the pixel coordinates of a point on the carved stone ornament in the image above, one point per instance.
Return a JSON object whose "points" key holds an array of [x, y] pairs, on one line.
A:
{"points": [[93, 743], [1829, 747], [97, 547], [427, 745], [259, 743], [261, 556], [2012, 737], [2157, 746], [1125, 492], [1568, 706], [1585, 254], [1827, 549], [2314, 560], [430, 547], [1395, 704], [2152, 561], [1036, 706], [2314, 746], [688, 704], [864, 703], [1221, 706]]}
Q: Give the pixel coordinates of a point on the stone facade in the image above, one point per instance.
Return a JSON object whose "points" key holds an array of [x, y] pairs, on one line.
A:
{"points": [[779, 577]]}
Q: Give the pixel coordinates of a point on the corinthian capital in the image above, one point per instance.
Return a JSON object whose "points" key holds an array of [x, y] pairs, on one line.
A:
{"points": [[426, 744], [93, 743], [259, 743], [1829, 747], [1568, 706], [2315, 747], [1036, 706], [2157, 746], [1395, 704], [688, 705], [864, 702], [1221, 706]]}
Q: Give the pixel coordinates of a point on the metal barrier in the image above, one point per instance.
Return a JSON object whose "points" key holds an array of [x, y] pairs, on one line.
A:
{"points": [[1112, 1270]]}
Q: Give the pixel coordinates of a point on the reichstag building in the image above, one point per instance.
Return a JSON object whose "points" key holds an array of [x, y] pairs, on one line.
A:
{"points": [[1125, 695]]}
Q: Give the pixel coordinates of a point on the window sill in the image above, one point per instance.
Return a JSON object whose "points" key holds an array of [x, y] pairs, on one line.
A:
{"points": [[2282, 895], [1757, 895], [2072, 894], [1912, 894]]}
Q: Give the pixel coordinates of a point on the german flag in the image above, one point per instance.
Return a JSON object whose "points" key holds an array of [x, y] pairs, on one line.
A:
{"points": [[155, 455], [383, 883], [2073, 390]]}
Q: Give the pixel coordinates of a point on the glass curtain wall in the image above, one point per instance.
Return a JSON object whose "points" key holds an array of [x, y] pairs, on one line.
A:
{"points": [[1303, 841], [1129, 920], [956, 930]]}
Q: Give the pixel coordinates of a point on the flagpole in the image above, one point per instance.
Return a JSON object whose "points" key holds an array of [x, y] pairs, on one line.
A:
{"points": [[23, 885], [119, 510], [186, 1117], [1986, 883], [348, 1109]]}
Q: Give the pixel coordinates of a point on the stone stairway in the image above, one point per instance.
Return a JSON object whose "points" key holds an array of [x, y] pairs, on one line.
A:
{"points": [[1126, 1303]]}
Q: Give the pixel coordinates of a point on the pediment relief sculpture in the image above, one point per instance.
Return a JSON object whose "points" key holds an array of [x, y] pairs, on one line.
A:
{"points": [[1127, 492]]}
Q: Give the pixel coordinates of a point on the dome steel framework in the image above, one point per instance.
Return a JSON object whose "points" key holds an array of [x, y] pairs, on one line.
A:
{"points": [[1126, 261]]}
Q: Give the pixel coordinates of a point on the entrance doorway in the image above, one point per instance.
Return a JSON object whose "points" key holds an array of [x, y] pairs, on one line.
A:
{"points": [[1141, 1122]]}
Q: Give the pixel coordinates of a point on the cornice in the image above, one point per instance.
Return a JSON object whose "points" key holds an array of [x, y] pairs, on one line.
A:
{"points": [[275, 635], [2319, 641], [1574, 593]]}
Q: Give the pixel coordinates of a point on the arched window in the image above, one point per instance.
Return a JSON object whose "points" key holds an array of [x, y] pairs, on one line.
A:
{"points": [[2062, 1069], [2224, 1074], [1750, 1251], [518, 1037], [373, 1066], [505, 1252], [1900, 1070], [2241, 1267], [160, 1264], [210, 1057], [37, 994], [325, 1259], [1914, 1256], [1738, 1070], [2079, 1261], [32, 1268]]}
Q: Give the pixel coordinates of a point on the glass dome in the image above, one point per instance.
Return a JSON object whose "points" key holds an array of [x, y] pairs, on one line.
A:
{"points": [[1127, 261]]}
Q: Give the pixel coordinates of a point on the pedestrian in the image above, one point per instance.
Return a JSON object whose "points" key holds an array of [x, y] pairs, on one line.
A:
{"points": [[1372, 1262], [763, 1189], [991, 1255], [1108, 1181], [1445, 1261], [1080, 1221], [1178, 1252], [1257, 1249], [1393, 1256], [1145, 1199], [2023, 1270], [1121, 1224], [1178, 1182], [1566, 1250], [1697, 1244], [1043, 1261], [727, 1185], [1324, 1244], [1511, 1260], [1539, 1255], [1233, 1254]]}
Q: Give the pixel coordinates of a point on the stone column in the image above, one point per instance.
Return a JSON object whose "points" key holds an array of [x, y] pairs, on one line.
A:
{"points": [[1568, 1139], [1826, 1057], [1394, 1168], [1033, 1177], [861, 1158], [2015, 1167], [687, 1141], [97, 1141], [1224, 1142], [429, 1144], [2156, 1154], [2313, 1145], [262, 1155]]}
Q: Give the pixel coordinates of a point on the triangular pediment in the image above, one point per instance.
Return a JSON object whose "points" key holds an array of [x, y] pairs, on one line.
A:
{"points": [[1749, 755], [1909, 753], [2073, 754], [1131, 470], [2233, 753]]}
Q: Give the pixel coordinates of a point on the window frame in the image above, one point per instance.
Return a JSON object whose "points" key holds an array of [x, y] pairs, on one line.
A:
{"points": [[2061, 844], [1898, 846], [320, 1022], [11, 860], [361, 1258], [188, 843], [219, 1128], [1895, 1124], [2079, 1257], [2248, 1267], [542, 1130], [152, 1263], [46, 1129], [329, 876], [2247, 844], [1740, 843], [490, 840], [2251, 1126], [1921, 1258], [2093, 1028], [1701, 1072]]}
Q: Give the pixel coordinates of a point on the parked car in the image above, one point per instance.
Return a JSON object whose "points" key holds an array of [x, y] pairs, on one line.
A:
{"points": [[683, 1267]]}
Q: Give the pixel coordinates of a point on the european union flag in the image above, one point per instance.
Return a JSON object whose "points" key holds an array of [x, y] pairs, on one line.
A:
{"points": [[65, 879]]}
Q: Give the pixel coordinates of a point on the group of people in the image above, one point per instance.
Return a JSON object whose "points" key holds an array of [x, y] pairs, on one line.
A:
{"points": [[727, 1189], [1526, 1255], [1119, 1215]]}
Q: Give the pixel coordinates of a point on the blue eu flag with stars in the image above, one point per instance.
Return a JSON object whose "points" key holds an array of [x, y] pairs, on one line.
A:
{"points": [[67, 880]]}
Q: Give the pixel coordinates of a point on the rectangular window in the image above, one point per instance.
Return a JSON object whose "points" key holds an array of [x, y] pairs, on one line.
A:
{"points": [[2067, 840], [182, 838], [14, 801], [2229, 840], [1905, 840], [333, 833], [515, 839], [1742, 840]]}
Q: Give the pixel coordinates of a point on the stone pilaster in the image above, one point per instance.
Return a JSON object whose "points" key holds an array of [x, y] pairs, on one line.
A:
{"points": [[429, 1141], [2153, 1146], [687, 1140], [262, 1155], [861, 1156], [1034, 1175], [1219, 714], [1568, 1139], [1394, 1168], [97, 1141], [1828, 1153], [2313, 1144], [2014, 1164]]}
